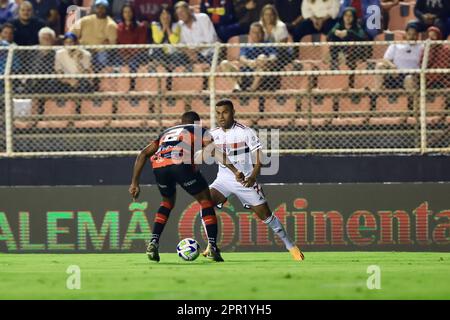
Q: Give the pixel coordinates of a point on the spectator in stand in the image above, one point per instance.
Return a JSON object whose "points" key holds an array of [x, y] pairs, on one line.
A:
{"points": [[73, 61], [166, 31], [246, 12], [319, 17], [347, 29], [7, 9], [26, 26], [47, 10], [363, 14], [387, 5], [290, 12], [97, 29], [401, 56], [7, 33], [131, 31], [221, 13], [147, 10], [432, 13], [438, 58], [274, 29], [196, 29], [256, 58], [41, 61]]}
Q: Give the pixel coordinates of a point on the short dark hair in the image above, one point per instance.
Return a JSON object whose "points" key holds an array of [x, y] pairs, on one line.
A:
{"points": [[134, 21], [225, 102], [6, 25], [190, 117], [167, 8]]}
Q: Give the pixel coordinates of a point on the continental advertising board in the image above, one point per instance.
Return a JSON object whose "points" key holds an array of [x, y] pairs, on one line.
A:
{"points": [[338, 217]]}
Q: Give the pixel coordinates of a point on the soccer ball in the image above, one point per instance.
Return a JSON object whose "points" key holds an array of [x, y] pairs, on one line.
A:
{"points": [[188, 249]]}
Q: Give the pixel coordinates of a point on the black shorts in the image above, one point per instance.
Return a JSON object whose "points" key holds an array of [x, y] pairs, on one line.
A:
{"points": [[185, 175]]}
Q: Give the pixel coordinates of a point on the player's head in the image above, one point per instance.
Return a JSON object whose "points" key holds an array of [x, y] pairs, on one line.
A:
{"points": [[225, 113], [412, 33], [190, 117]]}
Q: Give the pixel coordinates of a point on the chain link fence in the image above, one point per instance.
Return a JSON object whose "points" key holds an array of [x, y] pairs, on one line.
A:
{"points": [[322, 97]]}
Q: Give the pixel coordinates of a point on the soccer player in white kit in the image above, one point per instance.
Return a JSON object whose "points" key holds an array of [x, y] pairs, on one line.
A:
{"points": [[240, 143]]}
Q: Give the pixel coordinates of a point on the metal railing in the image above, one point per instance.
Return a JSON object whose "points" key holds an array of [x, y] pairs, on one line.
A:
{"points": [[320, 97]]}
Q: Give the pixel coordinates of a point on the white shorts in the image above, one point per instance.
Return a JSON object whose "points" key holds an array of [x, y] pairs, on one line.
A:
{"points": [[252, 196]]}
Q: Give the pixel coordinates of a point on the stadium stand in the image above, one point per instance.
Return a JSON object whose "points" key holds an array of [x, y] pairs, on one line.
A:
{"points": [[302, 93]]}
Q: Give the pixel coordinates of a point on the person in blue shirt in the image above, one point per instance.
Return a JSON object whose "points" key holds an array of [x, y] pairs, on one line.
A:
{"points": [[7, 9], [364, 13]]}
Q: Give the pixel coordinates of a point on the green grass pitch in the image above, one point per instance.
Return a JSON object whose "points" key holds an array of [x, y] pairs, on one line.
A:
{"points": [[323, 275]]}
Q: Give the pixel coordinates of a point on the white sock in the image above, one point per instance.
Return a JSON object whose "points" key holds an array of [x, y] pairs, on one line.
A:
{"points": [[278, 228]]}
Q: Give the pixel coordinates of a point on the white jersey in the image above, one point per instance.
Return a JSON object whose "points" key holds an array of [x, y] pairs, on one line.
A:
{"points": [[238, 143]]}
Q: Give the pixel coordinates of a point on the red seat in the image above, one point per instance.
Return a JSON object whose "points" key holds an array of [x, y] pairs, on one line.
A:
{"points": [[173, 106], [199, 106], [51, 107], [319, 105], [120, 84], [149, 84], [287, 105], [246, 106], [333, 82], [296, 82], [225, 84], [433, 104], [188, 84], [386, 105], [313, 52], [400, 15], [88, 107], [363, 81], [169, 122], [347, 105], [134, 107]]}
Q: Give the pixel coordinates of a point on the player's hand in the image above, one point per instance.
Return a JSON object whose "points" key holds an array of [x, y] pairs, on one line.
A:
{"points": [[249, 182], [239, 177], [134, 191]]}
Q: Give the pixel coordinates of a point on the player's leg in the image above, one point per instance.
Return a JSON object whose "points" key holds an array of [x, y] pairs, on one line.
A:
{"points": [[265, 214], [217, 197], [167, 188], [195, 184], [161, 217], [255, 199]]}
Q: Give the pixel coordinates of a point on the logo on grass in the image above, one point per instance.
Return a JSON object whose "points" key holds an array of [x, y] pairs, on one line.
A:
{"points": [[374, 280], [73, 282]]}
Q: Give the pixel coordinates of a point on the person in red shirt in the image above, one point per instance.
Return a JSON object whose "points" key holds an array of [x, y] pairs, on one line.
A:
{"points": [[131, 31]]}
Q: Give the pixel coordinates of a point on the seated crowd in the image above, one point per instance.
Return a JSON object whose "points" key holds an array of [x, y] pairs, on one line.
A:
{"points": [[169, 22]]}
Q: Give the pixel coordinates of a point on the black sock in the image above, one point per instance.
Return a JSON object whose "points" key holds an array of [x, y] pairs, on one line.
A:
{"points": [[210, 222], [161, 218]]}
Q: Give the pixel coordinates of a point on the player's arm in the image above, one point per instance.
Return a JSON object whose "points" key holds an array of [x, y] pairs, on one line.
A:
{"points": [[251, 180], [210, 149], [255, 147], [145, 153]]}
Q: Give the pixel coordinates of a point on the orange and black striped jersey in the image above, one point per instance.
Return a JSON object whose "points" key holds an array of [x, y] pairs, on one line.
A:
{"points": [[178, 145]]}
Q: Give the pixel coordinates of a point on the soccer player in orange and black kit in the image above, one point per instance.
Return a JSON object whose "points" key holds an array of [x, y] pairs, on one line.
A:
{"points": [[172, 157]]}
